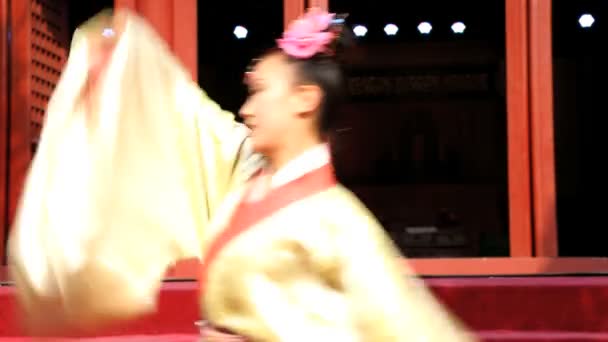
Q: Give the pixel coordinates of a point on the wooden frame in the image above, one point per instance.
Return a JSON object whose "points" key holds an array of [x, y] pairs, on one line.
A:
{"points": [[520, 215], [4, 117], [509, 266], [543, 150], [185, 29], [160, 14], [323, 4], [128, 4], [531, 169], [20, 102], [531, 148], [532, 193], [531, 160], [468, 267], [292, 9]]}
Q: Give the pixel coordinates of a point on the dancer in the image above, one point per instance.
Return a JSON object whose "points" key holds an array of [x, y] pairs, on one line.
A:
{"points": [[289, 255]]}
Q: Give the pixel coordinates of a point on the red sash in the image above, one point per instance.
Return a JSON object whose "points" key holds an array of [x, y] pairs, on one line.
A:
{"points": [[247, 214]]}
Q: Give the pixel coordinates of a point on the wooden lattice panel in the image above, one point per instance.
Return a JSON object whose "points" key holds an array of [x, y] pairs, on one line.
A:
{"points": [[49, 46]]}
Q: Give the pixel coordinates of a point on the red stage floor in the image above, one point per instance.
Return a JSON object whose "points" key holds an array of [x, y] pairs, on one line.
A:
{"points": [[500, 309], [490, 337]]}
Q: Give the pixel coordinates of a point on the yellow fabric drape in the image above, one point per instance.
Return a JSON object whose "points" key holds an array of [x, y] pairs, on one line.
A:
{"points": [[124, 181], [333, 275]]}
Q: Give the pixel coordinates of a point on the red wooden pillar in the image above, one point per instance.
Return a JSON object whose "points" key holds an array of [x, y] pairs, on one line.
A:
{"points": [[292, 9], [3, 127], [130, 4], [160, 14], [518, 137], [20, 83], [543, 150], [176, 23], [185, 34], [322, 4]]}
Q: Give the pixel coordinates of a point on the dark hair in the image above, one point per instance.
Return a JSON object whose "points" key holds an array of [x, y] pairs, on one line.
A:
{"points": [[325, 71]]}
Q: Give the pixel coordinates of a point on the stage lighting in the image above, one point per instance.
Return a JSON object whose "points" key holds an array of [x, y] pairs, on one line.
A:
{"points": [[360, 30], [458, 27], [240, 32], [391, 29], [425, 27], [586, 20]]}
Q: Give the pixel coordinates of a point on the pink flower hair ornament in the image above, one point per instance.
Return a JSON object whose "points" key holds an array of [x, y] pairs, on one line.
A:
{"points": [[309, 35]]}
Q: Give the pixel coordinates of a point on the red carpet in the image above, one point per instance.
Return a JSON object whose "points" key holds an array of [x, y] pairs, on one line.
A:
{"points": [[178, 310], [500, 309], [135, 338]]}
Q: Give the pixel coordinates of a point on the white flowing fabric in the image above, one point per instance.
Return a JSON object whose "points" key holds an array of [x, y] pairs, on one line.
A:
{"points": [[123, 186]]}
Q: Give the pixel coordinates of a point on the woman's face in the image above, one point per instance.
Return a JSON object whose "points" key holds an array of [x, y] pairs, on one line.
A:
{"points": [[271, 108]]}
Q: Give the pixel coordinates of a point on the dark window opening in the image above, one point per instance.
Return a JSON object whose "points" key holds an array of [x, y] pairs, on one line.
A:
{"points": [[423, 139], [579, 66]]}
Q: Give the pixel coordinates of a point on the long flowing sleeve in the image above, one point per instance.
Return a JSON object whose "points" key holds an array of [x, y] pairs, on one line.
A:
{"points": [[121, 189], [388, 301]]}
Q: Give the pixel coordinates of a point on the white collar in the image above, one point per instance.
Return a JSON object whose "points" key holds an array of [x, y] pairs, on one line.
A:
{"points": [[311, 159]]}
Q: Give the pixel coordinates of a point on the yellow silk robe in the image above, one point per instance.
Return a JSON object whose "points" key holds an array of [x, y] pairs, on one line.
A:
{"points": [[319, 269], [120, 190]]}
